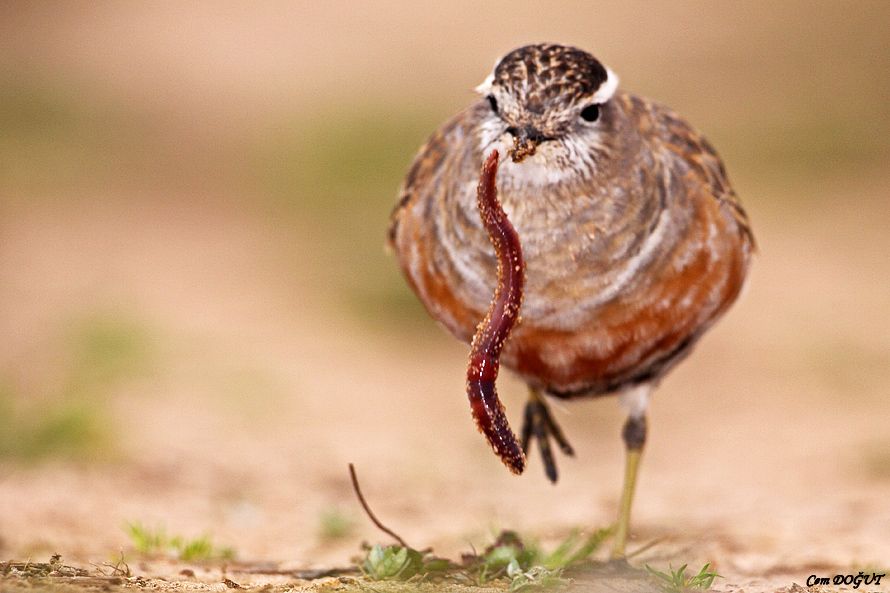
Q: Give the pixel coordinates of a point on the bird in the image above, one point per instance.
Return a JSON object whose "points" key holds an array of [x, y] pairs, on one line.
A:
{"points": [[633, 240]]}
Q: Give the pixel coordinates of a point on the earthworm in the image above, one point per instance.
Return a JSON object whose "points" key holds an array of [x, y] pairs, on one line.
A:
{"points": [[502, 316]]}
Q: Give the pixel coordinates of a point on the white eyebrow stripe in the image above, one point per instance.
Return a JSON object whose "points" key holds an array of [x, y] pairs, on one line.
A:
{"points": [[607, 88], [483, 88]]}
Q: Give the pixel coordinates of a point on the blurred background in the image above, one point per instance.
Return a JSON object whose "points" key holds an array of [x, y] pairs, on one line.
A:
{"points": [[199, 326]]}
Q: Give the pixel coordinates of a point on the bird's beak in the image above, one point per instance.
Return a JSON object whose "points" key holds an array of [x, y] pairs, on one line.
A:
{"points": [[525, 142]]}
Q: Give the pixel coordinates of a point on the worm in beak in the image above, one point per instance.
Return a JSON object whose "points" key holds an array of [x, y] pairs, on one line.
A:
{"points": [[502, 316]]}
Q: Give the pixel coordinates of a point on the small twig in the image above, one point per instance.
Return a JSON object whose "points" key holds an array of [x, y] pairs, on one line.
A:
{"points": [[118, 569], [647, 546], [375, 520], [304, 575]]}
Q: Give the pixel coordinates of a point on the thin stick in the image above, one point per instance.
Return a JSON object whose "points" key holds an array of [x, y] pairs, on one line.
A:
{"points": [[375, 520], [647, 546]]}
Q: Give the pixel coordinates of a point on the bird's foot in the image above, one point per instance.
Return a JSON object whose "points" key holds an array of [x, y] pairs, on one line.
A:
{"points": [[539, 424]]}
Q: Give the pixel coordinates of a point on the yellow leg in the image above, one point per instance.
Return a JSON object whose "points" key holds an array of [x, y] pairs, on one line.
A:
{"points": [[631, 468], [634, 435]]}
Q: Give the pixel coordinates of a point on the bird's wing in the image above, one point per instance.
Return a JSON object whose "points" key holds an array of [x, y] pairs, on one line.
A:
{"points": [[721, 188], [432, 162], [681, 138]]}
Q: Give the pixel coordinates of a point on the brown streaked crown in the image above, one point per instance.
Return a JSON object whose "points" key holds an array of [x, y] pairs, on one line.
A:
{"points": [[545, 73], [547, 85]]}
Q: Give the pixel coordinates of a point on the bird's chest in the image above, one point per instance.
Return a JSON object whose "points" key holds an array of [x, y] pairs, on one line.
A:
{"points": [[576, 245]]}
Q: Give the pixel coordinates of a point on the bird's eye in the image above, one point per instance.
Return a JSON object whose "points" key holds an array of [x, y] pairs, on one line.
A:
{"points": [[493, 102], [591, 112]]}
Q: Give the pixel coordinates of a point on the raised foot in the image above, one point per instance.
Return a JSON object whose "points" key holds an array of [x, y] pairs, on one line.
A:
{"points": [[539, 424]]}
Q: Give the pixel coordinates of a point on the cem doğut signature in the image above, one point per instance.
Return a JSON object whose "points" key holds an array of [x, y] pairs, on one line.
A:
{"points": [[847, 579]]}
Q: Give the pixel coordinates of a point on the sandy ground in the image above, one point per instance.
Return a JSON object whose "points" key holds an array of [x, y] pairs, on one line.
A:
{"points": [[768, 454]]}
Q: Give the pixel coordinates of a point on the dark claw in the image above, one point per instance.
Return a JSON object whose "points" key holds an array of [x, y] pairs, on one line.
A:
{"points": [[527, 423], [540, 430], [557, 433], [540, 425]]}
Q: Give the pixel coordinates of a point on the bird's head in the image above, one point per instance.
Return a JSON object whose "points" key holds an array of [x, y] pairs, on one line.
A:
{"points": [[546, 97]]}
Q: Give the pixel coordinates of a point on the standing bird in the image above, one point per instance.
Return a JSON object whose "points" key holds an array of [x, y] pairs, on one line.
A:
{"points": [[634, 241]]}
